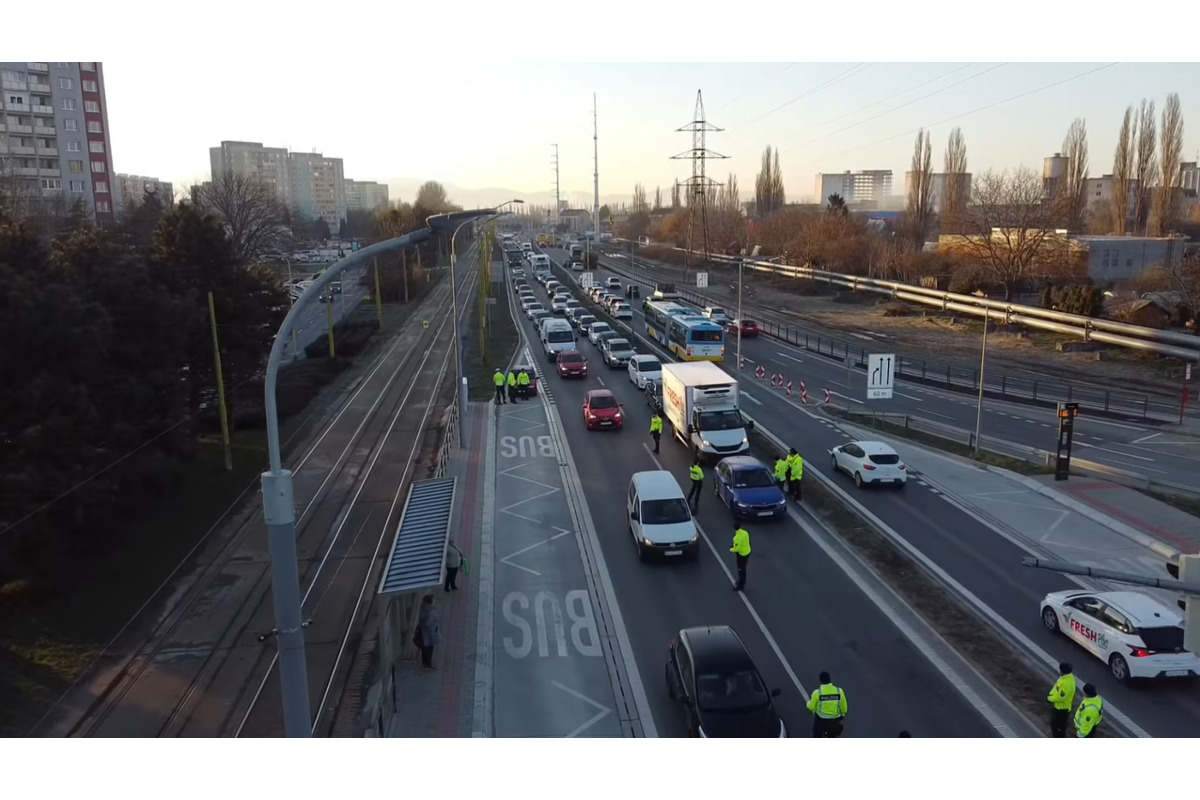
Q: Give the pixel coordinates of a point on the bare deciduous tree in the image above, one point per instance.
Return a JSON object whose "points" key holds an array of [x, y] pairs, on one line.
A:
{"points": [[726, 224], [640, 206], [1123, 172], [956, 192], [676, 196], [1073, 197], [1165, 211], [658, 198], [252, 213], [1145, 169], [432, 197], [768, 185], [919, 206], [1008, 229]]}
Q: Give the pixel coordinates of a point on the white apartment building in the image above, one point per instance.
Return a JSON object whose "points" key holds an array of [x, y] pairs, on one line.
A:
{"points": [[318, 187], [863, 186], [365, 195], [129, 190], [268, 165], [54, 140]]}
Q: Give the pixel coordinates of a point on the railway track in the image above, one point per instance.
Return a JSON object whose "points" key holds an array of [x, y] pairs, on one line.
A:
{"points": [[207, 665]]}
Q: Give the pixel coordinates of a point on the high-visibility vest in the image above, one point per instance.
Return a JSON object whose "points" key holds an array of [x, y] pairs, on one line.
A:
{"points": [[512, 379], [1062, 693], [781, 469], [796, 465], [741, 542], [1088, 716], [656, 424], [696, 473], [522, 378], [498, 378], [828, 702]]}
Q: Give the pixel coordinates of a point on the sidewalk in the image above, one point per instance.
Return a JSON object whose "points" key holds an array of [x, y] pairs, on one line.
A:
{"points": [[440, 704], [1085, 521]]}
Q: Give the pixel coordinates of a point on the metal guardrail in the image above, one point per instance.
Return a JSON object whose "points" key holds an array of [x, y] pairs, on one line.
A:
{"points": [[1022, 452], [996, 386]]}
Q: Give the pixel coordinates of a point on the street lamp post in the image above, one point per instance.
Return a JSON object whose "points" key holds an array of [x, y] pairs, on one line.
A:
{"points": [[741, 265], [458, 360], [982, 365]]}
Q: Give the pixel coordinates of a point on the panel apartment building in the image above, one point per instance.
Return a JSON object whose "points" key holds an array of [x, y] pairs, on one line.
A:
{"points": [[365, 195], [309, 183], [856, 188], [54, 140]]}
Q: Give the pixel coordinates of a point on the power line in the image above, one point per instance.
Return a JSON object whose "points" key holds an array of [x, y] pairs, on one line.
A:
{"points": [[902, 105], [854, 70], [1077, 76], [893, 96], [760, 85]]}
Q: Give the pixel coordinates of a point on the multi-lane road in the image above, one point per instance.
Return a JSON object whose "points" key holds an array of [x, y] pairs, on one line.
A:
{"points": [[1157, 451], [314, 320], [978, 557]]}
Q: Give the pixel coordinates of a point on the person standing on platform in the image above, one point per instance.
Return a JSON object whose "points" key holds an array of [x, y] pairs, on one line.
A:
{"points": [[523, 384], [1061, 698], [428, 631], [1090, 712], [795, 475], [498, 379], [512, 386]]}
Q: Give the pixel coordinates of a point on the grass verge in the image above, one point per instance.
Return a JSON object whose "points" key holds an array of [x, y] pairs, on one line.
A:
{"points": [[483, 355], [44, 648], [966, 632], [936, 442]]}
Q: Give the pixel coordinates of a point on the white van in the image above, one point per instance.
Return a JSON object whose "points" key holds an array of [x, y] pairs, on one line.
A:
{"points": [[557, 335], [660, 519], [539, 262], [716, 314]]}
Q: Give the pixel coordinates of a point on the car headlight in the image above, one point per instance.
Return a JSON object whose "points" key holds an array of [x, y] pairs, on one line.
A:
{"points": [[705, 442], [591, 415], [648, 543], [745, 440]]}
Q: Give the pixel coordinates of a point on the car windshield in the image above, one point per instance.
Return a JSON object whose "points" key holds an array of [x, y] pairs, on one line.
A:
{"points": [[728, 420], [650, 366], [753, 478], [603, 401], [584, 321], [738, 691], [749, 323], [1162, 638], [600, 327], [559, 337], [665, 512], [616, 345], [884, 458], [571, 357], [604, 336]]}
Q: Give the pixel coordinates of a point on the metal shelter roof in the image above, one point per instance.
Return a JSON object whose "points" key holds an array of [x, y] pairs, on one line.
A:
{"points": [[419, 551]]}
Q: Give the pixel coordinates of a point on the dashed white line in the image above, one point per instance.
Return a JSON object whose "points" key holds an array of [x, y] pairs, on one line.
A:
{"points": [[910, 397], [1116, 452], [749, 397], [848, 397], [793, 358]]}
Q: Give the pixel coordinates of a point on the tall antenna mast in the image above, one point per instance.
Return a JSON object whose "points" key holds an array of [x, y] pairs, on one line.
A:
{"points": [[557, 199], [595, 170], [699, 187]]}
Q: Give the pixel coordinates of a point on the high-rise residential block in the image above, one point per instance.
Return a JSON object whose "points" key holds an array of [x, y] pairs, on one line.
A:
{"points": [[864, 186], [318, 187], [268, 165], [54, 140], [365, 195], [130, 190]]}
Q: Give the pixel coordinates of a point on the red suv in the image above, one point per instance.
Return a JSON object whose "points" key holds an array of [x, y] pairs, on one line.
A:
{"points": [[601, 410], [572, 364], [749, 328]]}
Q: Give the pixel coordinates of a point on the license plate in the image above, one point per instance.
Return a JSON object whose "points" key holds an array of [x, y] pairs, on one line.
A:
{"points": [[606, 422], [765, 513], [673, 553], [1177, 673]]}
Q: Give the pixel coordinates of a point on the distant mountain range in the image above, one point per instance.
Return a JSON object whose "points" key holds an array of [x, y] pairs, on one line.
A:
{"points": [[406, 189]]}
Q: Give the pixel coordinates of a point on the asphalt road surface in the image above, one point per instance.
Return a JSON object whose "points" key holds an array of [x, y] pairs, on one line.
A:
{"points": [[798, 616], [314, 321], [1147, 449], [971, 552]]}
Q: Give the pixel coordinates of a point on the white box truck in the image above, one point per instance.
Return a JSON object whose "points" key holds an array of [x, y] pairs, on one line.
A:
{"points": [[700, 401]]}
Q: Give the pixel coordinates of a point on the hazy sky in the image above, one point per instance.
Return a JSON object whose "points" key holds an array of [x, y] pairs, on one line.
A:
{"points": [[481, 126]]}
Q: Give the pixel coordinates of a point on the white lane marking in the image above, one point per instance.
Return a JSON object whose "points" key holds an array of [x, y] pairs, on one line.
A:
{"points": [[749, 360], [748, 396], [508, 558], [600, 379], [1116, 452], [888, 610], [762, 626], [848, 397], [910, 397], [793, 358], [936, 414], [1114, 424], [603, 711], [1148, 438]]}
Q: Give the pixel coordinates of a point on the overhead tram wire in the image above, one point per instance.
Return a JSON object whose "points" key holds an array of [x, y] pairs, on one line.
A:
{"points": [[892, 96], [857, 69], [957, 117], [852, 125], [758, 86]]}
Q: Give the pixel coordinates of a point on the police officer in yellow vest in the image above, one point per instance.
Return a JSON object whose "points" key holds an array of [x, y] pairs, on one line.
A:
{"points": [[741, 550], [512, 386], [655, 429], [523, 381], [1061, 698], [1090, 712], [781, 471], [795, 473], [498, 379], [828, 707], [697, 476]]}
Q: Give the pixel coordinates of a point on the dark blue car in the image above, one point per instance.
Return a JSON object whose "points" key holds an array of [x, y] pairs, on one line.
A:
{"points": [[746, 485]]}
